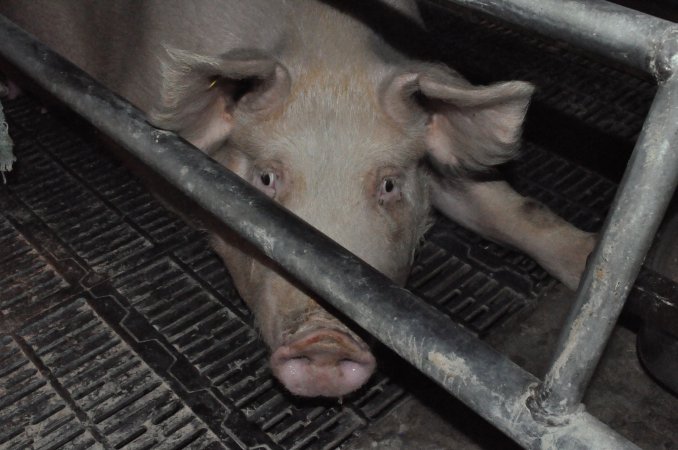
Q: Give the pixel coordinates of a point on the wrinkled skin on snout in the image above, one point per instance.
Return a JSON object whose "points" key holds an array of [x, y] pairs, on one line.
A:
{"points": [[321, 114]]}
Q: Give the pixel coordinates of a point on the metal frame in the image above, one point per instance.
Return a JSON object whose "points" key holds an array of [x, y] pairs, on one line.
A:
{"points": [[649, 44], [535, 414]]}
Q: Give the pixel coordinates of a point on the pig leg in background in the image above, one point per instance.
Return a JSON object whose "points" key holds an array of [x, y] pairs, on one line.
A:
{"points": [[497, 212]]}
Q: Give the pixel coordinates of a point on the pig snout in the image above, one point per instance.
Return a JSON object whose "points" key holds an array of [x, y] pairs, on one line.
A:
{"points": [[322, 362]]}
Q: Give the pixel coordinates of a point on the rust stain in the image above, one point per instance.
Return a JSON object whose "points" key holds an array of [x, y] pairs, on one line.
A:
{"points": [[600, 274]]}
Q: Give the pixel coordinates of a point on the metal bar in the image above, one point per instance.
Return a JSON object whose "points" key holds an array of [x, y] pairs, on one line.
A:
{"points": [[636, 213], [650, 44], [6, 155], [620, 33], [478, 375]]}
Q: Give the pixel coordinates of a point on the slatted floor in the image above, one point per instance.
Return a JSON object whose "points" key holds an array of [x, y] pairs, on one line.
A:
{"points": [[120, 328]]}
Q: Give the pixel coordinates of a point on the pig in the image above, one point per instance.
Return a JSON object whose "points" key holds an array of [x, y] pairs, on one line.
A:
{"points": [[318, 110]]}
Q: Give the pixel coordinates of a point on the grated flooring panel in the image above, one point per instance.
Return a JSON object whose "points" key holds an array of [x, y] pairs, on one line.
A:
{"points": [[120, 328]]}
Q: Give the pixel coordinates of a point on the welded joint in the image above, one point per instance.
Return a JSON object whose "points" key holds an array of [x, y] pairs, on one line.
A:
{"points": [[557, 428], [664, 58], [536, 405]]}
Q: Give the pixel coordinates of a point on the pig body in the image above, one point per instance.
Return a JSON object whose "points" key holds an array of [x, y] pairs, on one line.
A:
{"points": [[318, 111]]}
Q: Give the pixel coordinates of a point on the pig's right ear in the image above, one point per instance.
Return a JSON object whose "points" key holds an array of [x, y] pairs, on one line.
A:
{"points": [[200, 95], [466, 127]]}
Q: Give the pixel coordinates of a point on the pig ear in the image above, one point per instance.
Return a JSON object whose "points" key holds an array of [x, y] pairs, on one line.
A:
{"points": [[200, 95], [467, 127]]}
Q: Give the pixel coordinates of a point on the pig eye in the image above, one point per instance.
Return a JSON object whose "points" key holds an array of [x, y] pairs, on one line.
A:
{"points": [[267, 178], [389, 191], [266, 181]]}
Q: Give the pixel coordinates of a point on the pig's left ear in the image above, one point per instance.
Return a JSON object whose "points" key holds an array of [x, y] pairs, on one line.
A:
{"points": [[200, 96], [466, 127]]}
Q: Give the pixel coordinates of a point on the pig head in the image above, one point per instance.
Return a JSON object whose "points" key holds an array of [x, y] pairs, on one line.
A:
{"points": [[317, 111], [346, 146]]}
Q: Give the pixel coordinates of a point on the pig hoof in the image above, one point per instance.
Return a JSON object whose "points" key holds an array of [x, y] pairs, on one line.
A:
{"points": [[324, 362]]}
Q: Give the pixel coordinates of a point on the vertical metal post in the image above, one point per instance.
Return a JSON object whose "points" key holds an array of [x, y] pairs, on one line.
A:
{"points": [[636, 213]]}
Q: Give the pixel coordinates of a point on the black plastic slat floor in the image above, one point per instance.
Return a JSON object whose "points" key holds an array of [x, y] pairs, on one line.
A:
{"points": [[119, 328]]}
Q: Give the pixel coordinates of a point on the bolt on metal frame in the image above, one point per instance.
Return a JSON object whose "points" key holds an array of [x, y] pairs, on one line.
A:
{"points": [[535, 414]]}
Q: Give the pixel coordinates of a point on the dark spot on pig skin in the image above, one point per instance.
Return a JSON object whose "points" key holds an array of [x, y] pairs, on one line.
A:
{"points": [[537, 213], [530, 206]]}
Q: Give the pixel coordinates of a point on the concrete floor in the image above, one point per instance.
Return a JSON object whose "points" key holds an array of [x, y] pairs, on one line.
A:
{"points": [[621, 393]]}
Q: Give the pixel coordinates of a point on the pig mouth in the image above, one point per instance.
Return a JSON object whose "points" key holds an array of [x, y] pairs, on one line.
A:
{"points": [[322, 362]]}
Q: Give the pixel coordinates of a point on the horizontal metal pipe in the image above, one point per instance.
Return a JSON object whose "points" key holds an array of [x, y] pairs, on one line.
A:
{"points": [[636, 213], [478, 375], [628, 36]]}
